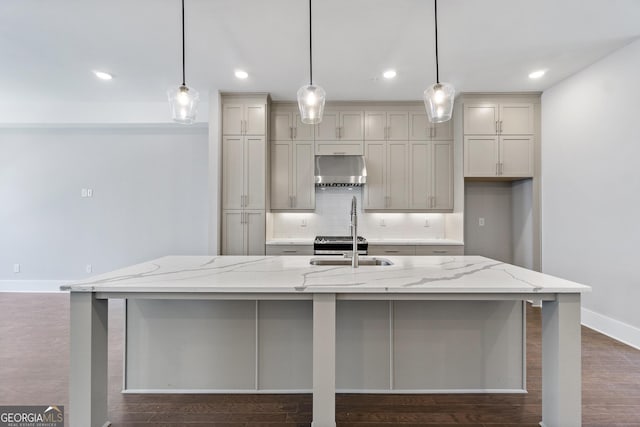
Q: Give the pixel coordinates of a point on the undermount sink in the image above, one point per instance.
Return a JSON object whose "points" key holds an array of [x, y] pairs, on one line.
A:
{"points": [[347, 261]]}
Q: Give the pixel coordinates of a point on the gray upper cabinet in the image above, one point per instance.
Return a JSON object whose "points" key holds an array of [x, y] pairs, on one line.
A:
{"points": [[420, 129], [386, 126], [499, 140], [498, 119], [243, 118]]}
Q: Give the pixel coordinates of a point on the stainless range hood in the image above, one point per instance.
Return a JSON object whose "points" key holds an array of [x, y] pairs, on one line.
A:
{"points": [[340, 171]]}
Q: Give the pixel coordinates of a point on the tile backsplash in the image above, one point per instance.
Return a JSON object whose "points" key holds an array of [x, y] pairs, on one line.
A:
{"points": [[332, 217]]}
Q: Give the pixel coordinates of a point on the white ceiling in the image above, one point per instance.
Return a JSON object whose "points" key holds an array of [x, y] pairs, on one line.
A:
{"points": [[48, 48]]}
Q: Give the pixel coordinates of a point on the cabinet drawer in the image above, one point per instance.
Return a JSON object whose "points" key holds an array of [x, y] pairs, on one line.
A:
{"points": [[289, 249], [392, 249], [439, 250], [334, 149]]}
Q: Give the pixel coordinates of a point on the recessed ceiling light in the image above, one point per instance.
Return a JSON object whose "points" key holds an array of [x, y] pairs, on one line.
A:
{"points": [[537, 74], [241, 74], [389, 74], [102, 75]]}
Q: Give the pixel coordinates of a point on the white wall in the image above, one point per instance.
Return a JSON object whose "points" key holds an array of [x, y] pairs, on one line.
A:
{"points": [[149, 198], [591, 184]]}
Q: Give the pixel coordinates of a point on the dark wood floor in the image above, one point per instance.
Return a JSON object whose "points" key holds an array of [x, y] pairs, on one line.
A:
{"points": [[34, 367]]}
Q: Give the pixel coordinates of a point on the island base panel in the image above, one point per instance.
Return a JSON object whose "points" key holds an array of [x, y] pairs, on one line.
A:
{"points": [[380, 346]]}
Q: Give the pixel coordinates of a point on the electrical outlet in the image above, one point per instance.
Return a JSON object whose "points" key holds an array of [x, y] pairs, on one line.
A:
{"points": [[83, 192], [89, 192], [16, 268], [89, 268], [481, 222]]}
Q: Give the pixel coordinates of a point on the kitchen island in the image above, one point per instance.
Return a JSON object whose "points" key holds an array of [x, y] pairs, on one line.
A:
{"points": [[439, 324]]}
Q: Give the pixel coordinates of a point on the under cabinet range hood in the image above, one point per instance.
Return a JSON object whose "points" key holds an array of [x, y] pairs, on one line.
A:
{"points": [[340, 171]]}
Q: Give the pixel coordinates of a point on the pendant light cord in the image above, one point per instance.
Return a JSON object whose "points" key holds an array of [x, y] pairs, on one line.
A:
{"points": [[183, 78], [436, 19], [310, 49]]}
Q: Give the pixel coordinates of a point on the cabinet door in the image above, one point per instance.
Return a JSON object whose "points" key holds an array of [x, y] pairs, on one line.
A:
{"points": [[232, 117], [397, 126], [442, 131], [480, 156], [397, 175], [254, 116], [232, 172], [327, 129], [302, 131], [442, 175], [516, 119], [516, 156], [337, 148], [375, 123], [281, 126], [254, 155], [397, 250], [233, 238], [254, 232], [281, 175], [374, 189], [480, 119], [351, 125], [419, 127], [304, 191], [421, 175]]}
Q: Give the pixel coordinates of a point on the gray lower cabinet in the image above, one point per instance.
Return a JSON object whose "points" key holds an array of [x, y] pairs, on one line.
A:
{"points": [[392, 250], [440, 250], [289, 249], [403, 250], [243, 232]]}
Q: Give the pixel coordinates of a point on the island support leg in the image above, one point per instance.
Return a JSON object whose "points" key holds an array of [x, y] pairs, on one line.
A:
{"points": [[88, 370], [324, 360], [561, 362]]}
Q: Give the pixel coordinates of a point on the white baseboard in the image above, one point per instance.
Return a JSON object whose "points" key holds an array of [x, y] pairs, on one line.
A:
{"points": [[42, 286], [613, 328]]}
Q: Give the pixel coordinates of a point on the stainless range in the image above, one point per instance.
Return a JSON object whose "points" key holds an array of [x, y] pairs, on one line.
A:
{"points": [[338, 245]]}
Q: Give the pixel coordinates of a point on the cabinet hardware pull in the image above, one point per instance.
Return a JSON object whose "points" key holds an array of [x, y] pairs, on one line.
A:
{"points": [[500, 126], [340, 132], [496, 126], [291, 132], [501, 168], [439, 252], [339, 152], [289, 251], [389, 251]]}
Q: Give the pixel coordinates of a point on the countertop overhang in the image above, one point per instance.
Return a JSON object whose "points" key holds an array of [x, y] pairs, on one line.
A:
{"points": [[294, 274]]}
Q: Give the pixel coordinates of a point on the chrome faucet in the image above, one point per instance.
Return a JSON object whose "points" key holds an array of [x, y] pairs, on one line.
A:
{"points": [[354, 232]]}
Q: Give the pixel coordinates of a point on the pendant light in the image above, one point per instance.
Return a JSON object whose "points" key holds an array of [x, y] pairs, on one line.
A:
{"points": [[438, 98], [183, 100], [311, 97]]}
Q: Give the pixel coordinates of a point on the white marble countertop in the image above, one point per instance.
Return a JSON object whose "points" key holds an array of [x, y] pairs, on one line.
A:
{"points": [[294, 274], [374, 241]]}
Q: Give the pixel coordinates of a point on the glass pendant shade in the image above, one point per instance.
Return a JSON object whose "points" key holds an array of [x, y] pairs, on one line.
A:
{"points": [[184, 104], [438, 100], [311, 104]]}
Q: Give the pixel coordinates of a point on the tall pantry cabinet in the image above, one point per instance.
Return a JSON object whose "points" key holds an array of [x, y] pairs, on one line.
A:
{"points": [[244, 166]]}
